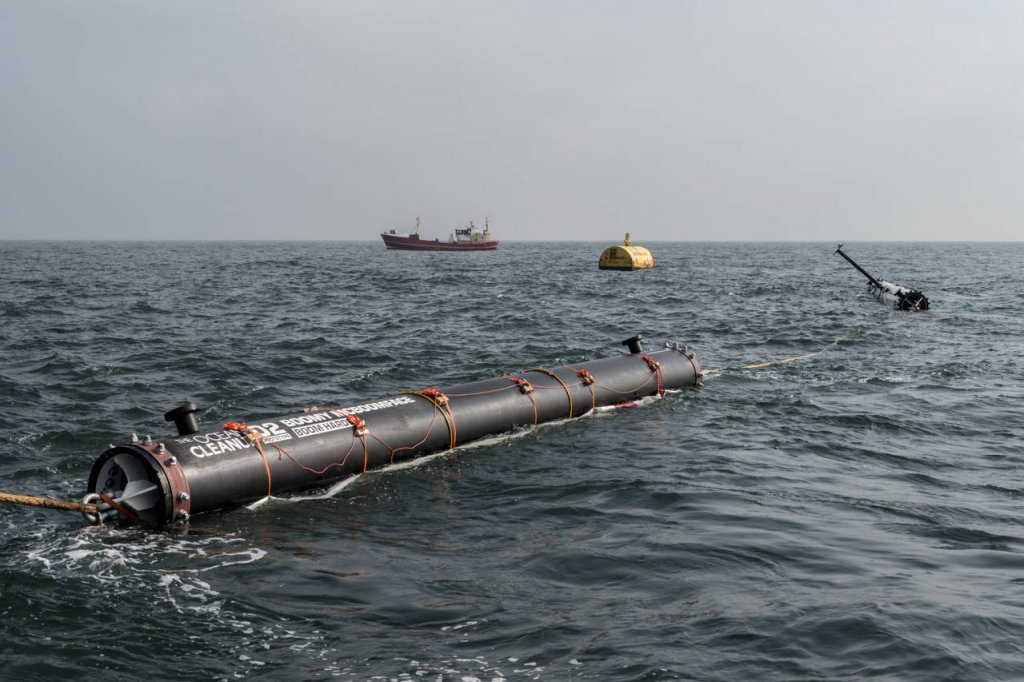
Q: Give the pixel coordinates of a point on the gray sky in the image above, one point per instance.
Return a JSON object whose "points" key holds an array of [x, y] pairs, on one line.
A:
{"points": [[675, 120]]}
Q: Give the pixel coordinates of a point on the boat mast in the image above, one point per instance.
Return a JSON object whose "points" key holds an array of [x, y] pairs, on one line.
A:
{"points": [[874, 282]]}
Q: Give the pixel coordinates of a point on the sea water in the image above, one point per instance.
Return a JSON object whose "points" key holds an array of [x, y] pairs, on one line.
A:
{"points": [[852, 514]]}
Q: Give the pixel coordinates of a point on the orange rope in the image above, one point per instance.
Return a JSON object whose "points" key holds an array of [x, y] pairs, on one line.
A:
{"points": [[586, 379], [440, 401], [527, 388], [318, 472], [359, 430], [656, 368], [560, 382], [253, 437], [121, 509], [433, 418]]}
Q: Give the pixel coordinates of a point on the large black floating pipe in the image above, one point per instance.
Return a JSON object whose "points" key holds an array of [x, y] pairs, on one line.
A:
{"points": [[901, 298], [169, 480]]}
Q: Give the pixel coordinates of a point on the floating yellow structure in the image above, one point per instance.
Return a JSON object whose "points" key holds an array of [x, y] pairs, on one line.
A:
{"points": [[626, 257]]}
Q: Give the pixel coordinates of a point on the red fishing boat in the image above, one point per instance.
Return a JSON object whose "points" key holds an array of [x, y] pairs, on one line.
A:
{"points": [[465, 239]]}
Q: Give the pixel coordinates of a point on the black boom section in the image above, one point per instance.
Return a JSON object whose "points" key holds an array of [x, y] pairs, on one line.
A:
{"points": [[197, 471]]}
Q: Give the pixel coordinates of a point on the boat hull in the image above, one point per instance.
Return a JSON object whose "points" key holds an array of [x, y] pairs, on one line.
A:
{"points": [[394, 241]]}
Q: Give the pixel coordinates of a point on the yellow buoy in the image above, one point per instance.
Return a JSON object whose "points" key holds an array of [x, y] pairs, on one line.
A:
{"points": [[626, 257]]}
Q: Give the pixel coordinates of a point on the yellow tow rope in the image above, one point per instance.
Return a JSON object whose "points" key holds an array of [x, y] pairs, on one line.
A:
{"points": [[761, 365], [48, 503], [783, 361]]}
